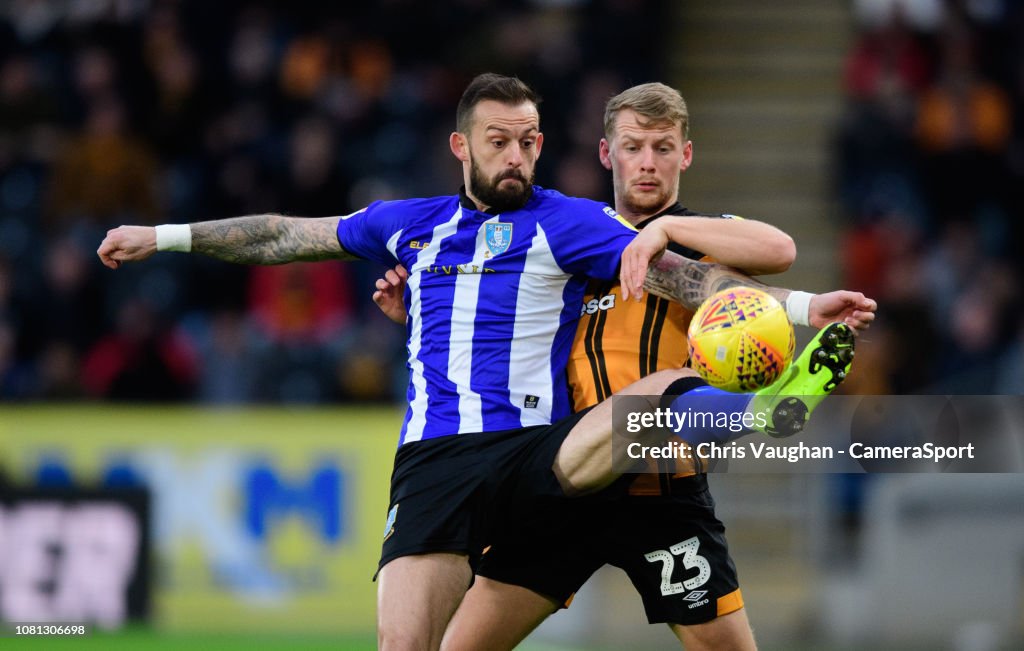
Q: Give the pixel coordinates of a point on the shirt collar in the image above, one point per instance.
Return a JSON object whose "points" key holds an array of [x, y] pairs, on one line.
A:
{"points": [[675, 209], [468, 203], [464, 199]]}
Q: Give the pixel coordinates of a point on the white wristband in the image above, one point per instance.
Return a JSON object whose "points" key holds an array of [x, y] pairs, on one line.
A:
{"points": [[174, 237], [798, 308]]}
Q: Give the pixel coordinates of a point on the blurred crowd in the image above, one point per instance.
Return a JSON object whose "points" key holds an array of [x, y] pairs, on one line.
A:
{"points": [[150, 111], [931, 182]]}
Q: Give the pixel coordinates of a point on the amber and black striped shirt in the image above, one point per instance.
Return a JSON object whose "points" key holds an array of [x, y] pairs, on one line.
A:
{"points": [[618, 342]]}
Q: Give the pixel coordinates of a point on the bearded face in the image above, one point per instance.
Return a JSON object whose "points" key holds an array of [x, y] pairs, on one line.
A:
{"points": [[505, 191]]}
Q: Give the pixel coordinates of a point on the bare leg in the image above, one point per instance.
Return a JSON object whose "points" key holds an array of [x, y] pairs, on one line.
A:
{"points": [[496, 616], [584, 462], [416, 597], [726, 633]]}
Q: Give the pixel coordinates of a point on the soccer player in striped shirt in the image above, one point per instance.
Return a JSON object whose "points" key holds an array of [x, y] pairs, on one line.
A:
{"points": [[533, 567], [497, 273]]}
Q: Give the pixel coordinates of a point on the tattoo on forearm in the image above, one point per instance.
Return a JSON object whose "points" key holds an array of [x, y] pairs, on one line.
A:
{"points": [[690, 282], [268, 239]]}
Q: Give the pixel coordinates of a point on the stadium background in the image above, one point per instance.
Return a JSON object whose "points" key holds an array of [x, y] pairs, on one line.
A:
{"points": [[887, 137]]}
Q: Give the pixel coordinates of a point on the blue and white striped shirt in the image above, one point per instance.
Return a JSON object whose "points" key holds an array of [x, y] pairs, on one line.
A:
{"points": [[493, 301]]}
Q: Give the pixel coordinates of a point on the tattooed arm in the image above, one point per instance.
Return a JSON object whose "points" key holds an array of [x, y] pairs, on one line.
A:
{"points": [[269, 239], [690, 282], [256, 239]]}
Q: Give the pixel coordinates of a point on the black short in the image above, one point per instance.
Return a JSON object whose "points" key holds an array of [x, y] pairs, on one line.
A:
{"points": [[672, 547], [448, 493]]}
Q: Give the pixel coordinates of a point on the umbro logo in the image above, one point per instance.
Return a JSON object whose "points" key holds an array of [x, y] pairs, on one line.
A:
{"points": [[696, 595]]}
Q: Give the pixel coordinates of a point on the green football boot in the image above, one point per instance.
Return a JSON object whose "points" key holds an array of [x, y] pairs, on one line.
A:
{"points": [[819, 369]]}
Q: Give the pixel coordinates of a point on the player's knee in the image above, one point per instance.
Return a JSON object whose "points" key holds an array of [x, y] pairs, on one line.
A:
{"points": [[398, 643], [457, 643], [730, 632], [395, 638]]}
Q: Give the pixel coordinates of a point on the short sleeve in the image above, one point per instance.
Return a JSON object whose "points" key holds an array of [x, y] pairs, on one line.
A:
{"points": [[587, 237], [369, 233]]}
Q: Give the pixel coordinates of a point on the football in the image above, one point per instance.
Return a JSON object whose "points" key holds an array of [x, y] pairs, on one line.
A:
{"points": [[740, 339]]}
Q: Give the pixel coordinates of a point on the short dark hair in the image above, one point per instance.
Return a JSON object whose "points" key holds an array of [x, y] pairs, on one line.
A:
{"points": [[491, 86]]}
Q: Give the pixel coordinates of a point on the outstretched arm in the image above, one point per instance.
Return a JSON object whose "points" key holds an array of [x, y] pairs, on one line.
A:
{"points": [[690, 282], [256, 239], [754, 246], [751, 246]]}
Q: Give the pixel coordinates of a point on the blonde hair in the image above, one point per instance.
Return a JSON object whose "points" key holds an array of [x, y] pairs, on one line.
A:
{"points": [[655, 103]]}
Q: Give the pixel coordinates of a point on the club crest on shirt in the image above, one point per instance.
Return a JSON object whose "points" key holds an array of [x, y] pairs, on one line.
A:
{"points": [[498, 236]]}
